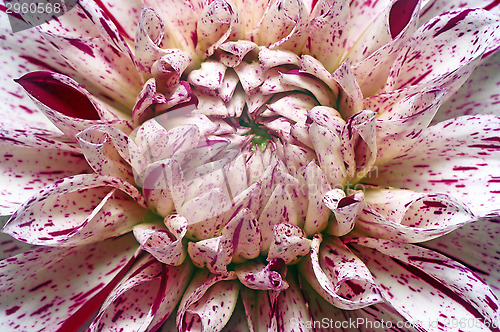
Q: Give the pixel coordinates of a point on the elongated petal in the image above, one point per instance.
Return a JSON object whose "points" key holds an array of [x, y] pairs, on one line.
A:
{"points": [[144, 298], [208, 302], [119, 79], [328, 32], [10, 247], [451, 157], [400, 127], [474, 245], [78, 210], [478, 95], [338, 275], [441, 38], [425, 276], [22, 52], [351, 99], [381, 43], [408, 216], [317, 211], [57, 282], [56, 96], [25, 169]]}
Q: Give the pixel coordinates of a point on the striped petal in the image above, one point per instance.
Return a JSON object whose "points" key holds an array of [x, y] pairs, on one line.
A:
{"points": [[208, 302], [144, 298], [59, 288], [408, 216], [474, 245], [451, 157], [338, 275], [424, 275], [441, 38], [78, 210], [478, 95]]}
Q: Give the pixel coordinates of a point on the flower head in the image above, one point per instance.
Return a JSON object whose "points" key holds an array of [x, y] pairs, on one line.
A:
{"points": [[252, 165]]}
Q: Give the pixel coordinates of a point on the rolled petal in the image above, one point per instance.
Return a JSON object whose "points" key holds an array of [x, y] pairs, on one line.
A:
{"points": [[56, 96], [451, 157], [164, 243], [351, 99], [284, 25], [55, 283], [78, 210], [408, 216], [262, 277], [208, 302], [424, 275], [219, 22], [359, 144], [106, 149], [289, 244], [345, 209], [338, 275], [144, 298], [234, 52]]}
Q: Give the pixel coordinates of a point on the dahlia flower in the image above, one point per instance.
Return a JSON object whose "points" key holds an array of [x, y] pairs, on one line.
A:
{"points": [[283, 165]]}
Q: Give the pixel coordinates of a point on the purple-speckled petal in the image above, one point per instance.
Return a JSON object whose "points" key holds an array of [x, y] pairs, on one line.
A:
{"points": [[375, 51], [78, 210], [478, 95], [145, 297], [351, 97], [317, 211], [424, 275], [474, 245], [408, 216], [338, 275], [164, 243], [232, 53], [263, 277], [442, 38], [345, 209], [290, 244], [219, 22], [329, 28], [327, 146], [399, 127], [208, 302], [106, 149], [56, 96], [31, 160], [10, 247], [57, 284], [284, 25], [359, 144], [458, 157]]}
